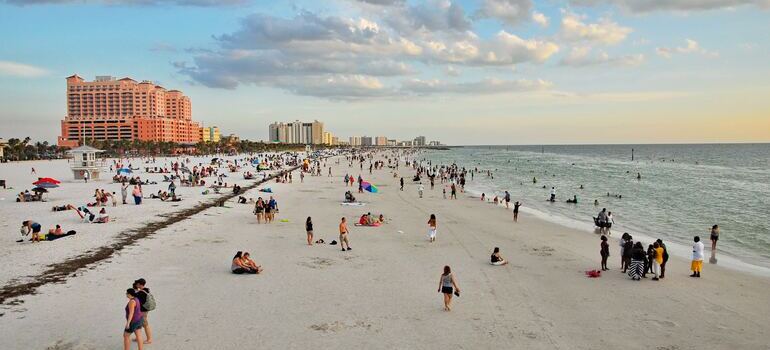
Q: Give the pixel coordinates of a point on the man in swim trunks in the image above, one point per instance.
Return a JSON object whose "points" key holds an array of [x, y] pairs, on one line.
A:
{"points": [[344, 235]]}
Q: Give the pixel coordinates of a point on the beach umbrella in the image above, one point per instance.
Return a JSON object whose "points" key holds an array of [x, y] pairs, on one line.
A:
{"points": [[125, 170], [46, 180], [369, 187], [39, 190]]}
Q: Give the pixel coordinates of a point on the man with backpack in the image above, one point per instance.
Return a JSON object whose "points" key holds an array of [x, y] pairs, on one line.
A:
{"points": [[146, 304]]}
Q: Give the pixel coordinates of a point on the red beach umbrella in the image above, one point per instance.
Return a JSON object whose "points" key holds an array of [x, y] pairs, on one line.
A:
{"points": [[49, 180]]}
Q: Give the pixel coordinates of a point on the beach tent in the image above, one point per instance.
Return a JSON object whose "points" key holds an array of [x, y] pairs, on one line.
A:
{"points": [[125, 170], [369, 187]]}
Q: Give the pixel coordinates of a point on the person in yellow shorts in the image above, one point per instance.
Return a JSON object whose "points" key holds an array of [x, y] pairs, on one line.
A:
{"points": [[697, 257]]}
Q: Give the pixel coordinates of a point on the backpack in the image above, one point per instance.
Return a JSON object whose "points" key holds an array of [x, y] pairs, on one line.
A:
{"points": [[149, 305]]}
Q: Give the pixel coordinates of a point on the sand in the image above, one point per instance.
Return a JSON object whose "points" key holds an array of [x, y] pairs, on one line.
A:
{"points": [[383, 293]]}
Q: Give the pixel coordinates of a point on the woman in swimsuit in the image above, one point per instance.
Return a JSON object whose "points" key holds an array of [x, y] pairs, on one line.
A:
{"points": [[445, 287]]}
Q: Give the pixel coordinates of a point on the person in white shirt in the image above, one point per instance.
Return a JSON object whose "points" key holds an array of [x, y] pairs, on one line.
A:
{"points": [[697, 257], [553, 194], [420, 189]]}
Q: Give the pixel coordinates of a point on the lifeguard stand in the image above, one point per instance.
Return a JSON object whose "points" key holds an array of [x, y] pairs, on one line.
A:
{"points": [[84, 160]]}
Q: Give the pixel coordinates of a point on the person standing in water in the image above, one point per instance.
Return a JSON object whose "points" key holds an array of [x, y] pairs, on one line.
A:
{"points": [[714, 237], [507, 199], [446, 285], [432, 228], [516, 211]]}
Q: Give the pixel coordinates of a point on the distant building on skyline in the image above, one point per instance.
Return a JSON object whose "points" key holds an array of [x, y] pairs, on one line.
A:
{"points": [[297, 133], [124, 109], [366, 141], [419, 141], [210, 134], [355, 141]]}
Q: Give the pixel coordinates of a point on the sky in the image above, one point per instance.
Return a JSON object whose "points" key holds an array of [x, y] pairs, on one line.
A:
{"points": [[458, 71]]}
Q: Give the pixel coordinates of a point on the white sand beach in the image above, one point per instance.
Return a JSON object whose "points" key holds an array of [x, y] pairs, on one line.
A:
{"points": [[380, 295]]}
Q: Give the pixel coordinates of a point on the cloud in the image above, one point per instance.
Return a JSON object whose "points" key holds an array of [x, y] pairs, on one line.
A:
{"points": [[605, 31], [486, 86], [383, 2], [21, 70], [540, 19], [428, 16], [204, 3], [280, 52], [452, 71], [641, 6], [690, 47], [583, 57], [163, 47], [511, 12]]}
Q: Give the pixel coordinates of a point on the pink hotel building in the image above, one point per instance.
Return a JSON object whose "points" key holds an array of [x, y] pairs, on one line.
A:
{"points": [[123, 109]]}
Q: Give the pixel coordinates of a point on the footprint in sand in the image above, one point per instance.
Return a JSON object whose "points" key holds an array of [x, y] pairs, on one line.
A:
{"points": [[337, 326], [317, 263], [543, 251]]}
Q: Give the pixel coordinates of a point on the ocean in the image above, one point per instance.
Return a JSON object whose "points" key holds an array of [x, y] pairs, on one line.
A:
{"points": [[684, 189]]}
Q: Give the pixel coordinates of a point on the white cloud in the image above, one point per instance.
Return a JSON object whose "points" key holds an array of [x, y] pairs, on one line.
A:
{"points": [[605, 31], [511, 12], [641, 6], [690, 47], [452, 71], [21, 70], [486, 86], [583, 57], [540, 19], [279, 52]]}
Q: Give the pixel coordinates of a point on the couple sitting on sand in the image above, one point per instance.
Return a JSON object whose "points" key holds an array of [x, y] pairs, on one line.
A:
{"points": [[349, 198], [368, 220], [242, 264]]}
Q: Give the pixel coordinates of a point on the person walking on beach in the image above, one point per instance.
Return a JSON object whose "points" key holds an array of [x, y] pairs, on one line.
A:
{"points": [[134, 321], [432, 228], [420, 189], [402, 184], [697, 257], [714, 237], [146, 304], [259, 210], [344, 234], [86, 175], [453, 194], [446, 285], [516, 211], [604, 251], [309, 230]]}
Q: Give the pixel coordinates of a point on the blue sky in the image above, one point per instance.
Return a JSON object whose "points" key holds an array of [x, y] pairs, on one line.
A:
{"points": [[463, 72]]}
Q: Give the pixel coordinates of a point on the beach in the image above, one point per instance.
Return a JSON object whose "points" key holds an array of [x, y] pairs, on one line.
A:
{"points": [[380, 295]]}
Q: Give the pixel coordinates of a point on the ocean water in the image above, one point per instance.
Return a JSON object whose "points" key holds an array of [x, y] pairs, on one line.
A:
{"points": [[683, 191]]}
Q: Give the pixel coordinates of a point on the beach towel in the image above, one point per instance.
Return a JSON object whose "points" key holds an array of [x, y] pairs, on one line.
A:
{"points": [[266, 190], [593, 273], [376, 224]]}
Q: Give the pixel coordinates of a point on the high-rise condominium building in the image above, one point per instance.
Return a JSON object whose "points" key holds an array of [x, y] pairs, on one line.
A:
{"points": [[419, 141], [366, 141], [355, 141], [297, 133], [380, 141], [124, 109]]}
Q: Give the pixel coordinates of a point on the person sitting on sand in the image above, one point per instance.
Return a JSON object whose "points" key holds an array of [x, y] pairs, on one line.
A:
{"points": [[238, 266], [56, 231], [497, 259], [483, 197], [250, 264], [101, 218], [349, 198], [369, 219], [496, 200], [381, 219]]}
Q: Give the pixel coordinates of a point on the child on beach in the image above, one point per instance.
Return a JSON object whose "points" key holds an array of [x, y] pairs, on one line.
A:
{"points": [[657, 260]]}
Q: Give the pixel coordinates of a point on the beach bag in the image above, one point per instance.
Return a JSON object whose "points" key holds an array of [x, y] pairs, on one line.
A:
{"points": [[149, 305]]}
